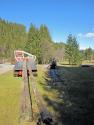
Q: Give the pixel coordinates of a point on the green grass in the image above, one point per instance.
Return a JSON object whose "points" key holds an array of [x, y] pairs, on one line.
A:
{"points": [[46, 92], [91, 62], [9, 99], [87, 62], [76, 106], [77, 86]]}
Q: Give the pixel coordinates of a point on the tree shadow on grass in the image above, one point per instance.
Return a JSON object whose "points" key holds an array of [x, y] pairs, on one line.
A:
{"points": [[74, 100]]}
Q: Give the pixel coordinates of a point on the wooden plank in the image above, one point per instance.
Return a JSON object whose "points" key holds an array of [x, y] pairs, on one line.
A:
{"points": [[26, 113]]}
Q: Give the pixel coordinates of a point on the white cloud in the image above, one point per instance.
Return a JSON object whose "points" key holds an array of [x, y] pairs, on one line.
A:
{"points": [[87, 35], [83, 48]]}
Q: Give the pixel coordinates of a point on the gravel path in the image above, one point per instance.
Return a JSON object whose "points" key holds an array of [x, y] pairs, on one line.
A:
{"points": [[5, 67]]}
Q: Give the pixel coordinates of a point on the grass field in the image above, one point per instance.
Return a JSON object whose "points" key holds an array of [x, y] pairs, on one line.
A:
{"points": [[87, 62], [78, 96], [9, 99], [72, 102]]}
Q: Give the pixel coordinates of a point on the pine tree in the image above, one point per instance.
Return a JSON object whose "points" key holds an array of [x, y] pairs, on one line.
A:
{"points": [[33, 42], [88, 54], [72, 50]]}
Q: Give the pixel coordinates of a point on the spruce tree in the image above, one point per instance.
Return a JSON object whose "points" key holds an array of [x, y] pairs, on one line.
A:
{"points": [[72, 50]]}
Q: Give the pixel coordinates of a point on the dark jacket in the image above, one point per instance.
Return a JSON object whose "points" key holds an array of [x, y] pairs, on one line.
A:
{"points": [[53, 65]]}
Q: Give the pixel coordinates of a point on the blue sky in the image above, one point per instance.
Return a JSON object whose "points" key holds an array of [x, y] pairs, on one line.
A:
{"points": [[62, 17]]}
